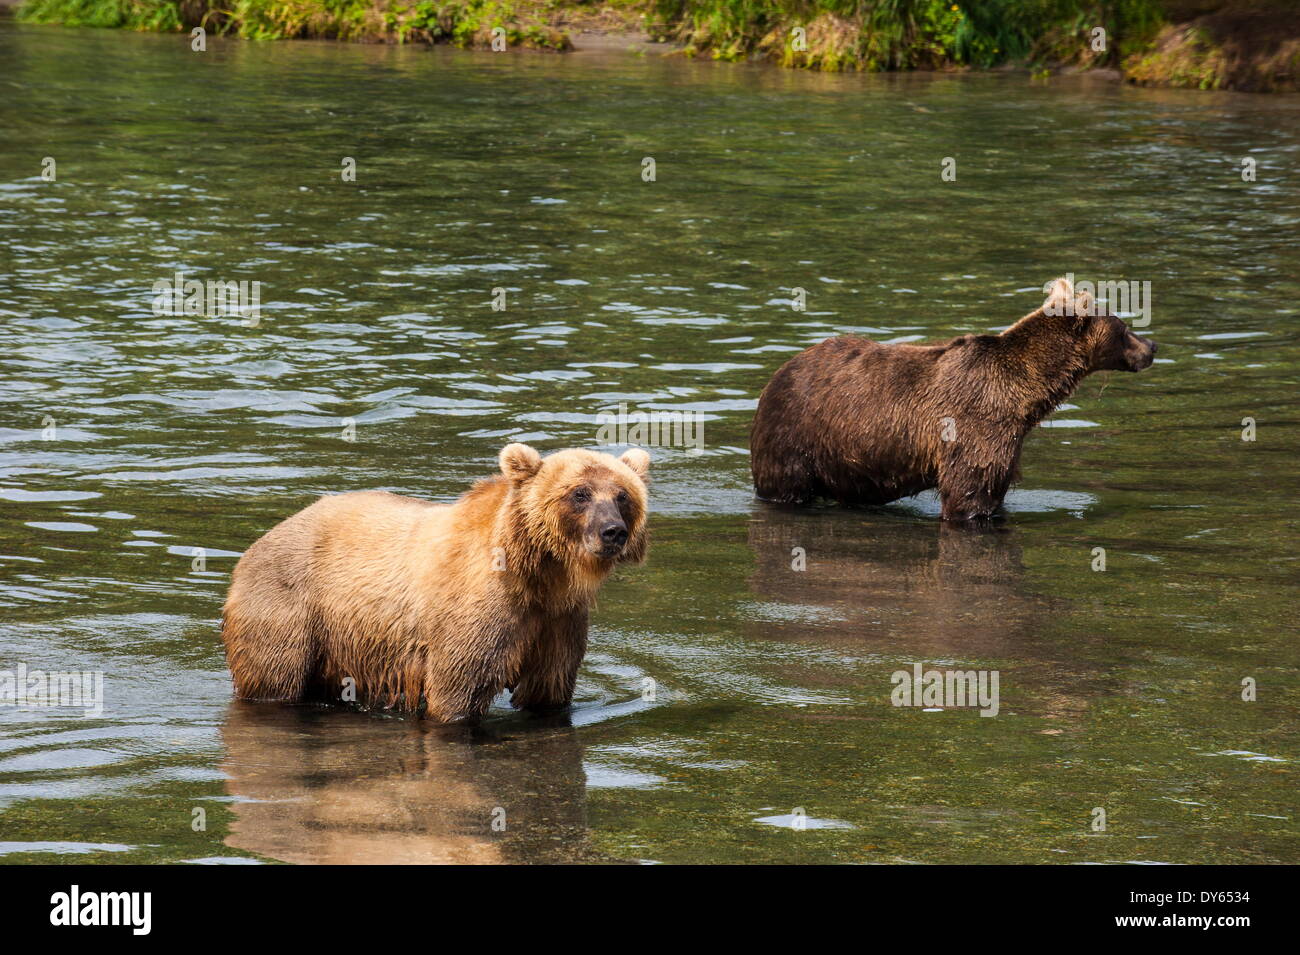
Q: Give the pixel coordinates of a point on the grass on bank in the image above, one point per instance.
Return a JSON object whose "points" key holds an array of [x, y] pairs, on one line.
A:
{"points": [[908, 34], [1208, 44], [466, 23], [836, 34]]}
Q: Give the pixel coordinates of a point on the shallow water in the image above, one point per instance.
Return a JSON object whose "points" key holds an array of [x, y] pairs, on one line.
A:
{"points": [[1119, 689]]}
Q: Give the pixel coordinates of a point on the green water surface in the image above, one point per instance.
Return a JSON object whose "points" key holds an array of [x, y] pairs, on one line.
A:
{"points": [[770, 696]]}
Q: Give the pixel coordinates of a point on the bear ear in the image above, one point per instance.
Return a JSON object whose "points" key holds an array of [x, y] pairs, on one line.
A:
{"points": [[1083, 304], [638, 459], [1060, 297], [519, 462]]}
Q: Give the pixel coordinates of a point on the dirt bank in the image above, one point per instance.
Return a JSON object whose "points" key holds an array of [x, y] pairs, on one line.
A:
{"points": [[1250, 50]]}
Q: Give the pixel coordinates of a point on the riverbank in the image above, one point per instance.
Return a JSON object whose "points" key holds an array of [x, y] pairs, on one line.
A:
{"points": [[526, 24], [1251, 45], [1253, 50]]}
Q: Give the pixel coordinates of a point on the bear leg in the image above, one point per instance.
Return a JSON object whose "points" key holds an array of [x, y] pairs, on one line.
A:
{"points": [[463, 699], [460, 688], [785, 478], [973, 492], [549, 669], [270, 652]]}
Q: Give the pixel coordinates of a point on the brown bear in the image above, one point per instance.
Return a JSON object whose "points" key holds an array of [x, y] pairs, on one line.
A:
{"points": [[407, 602], [863, 423]]}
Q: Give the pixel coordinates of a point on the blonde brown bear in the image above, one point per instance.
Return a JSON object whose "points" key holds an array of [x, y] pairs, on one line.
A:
{"points": [[411, 603]]}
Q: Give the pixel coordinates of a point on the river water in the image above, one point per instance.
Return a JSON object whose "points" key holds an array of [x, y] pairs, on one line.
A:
{"points": [[732, 708]]}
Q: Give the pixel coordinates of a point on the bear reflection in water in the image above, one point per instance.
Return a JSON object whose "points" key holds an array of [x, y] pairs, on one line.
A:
{"points": [[315, 785], [916, 592]]}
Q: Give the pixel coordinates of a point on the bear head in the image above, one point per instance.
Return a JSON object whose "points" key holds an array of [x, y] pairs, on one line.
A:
{"points": [[582, 507], [1106, 342]]}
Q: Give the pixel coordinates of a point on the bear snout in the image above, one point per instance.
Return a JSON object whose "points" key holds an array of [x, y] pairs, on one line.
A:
{"points": [[613, 538], [1141, 353]]}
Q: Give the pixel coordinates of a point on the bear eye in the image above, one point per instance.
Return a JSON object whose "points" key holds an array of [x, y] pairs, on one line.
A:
{"points": [[622, 497], [581, 496]]}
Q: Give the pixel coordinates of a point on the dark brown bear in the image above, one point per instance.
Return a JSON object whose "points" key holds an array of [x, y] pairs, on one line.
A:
{"points": [[863, 423]]}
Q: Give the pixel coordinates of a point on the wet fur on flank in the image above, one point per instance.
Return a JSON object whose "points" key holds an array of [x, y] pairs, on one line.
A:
{"points": [[861, 423], [439, 606]]}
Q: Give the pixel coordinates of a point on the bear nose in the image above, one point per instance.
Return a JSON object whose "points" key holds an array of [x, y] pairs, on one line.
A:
{"points": [[615, 534], [1154, 346]]}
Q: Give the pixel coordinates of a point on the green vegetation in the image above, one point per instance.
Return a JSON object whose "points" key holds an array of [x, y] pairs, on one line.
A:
{"points": [[908, 34], [460, 22], [838, 34], [1208, 44], [1243, 46]]}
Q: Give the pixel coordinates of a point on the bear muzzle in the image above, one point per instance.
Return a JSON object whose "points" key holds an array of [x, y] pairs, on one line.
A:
{"points": [[1140, 353], [612, 539]]}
